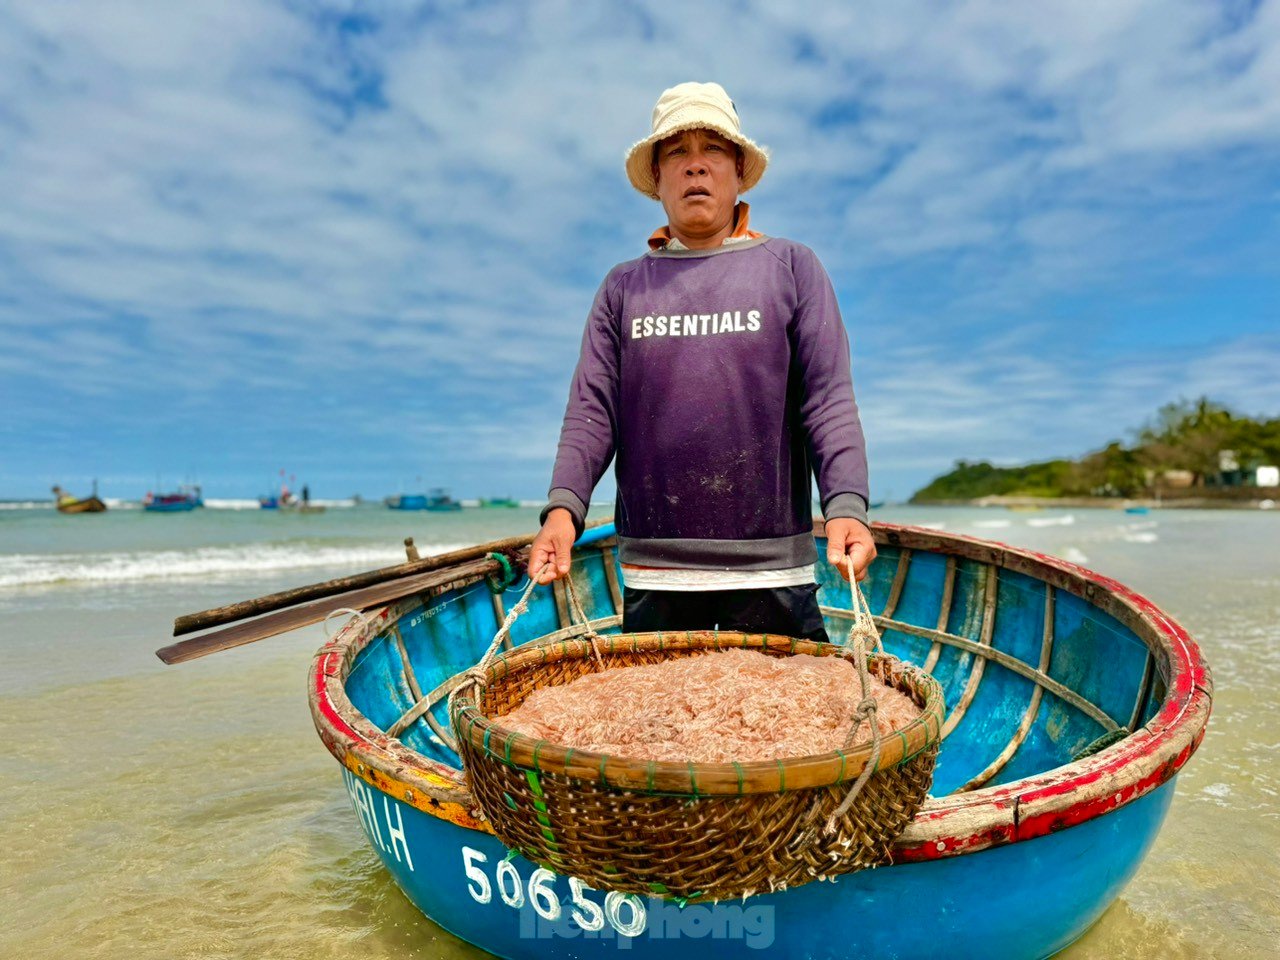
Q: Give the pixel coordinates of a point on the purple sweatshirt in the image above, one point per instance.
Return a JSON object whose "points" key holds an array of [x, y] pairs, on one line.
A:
{"points": [[720, 379]]}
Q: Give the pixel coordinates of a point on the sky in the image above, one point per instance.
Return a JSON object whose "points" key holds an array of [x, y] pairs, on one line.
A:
{"points": [[359, 241]]}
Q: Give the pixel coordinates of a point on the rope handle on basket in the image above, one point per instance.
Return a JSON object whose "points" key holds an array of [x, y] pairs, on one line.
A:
{"points": [[476, 675], [575, 608], [861, 630]]}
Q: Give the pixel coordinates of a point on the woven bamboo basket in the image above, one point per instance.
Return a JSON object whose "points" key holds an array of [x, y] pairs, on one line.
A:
{"points": [[688, 831]]}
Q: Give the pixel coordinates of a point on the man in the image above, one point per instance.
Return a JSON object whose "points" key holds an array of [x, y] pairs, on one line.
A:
{"points": [[716, 369]]}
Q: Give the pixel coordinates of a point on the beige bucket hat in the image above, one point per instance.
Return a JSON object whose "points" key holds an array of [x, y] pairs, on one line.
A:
{"points": [[691, 106]]}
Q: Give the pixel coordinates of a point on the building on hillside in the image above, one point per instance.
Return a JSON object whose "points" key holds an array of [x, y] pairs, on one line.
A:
{"points": [[1229, 472], [1177, 478], [1237, 471]]}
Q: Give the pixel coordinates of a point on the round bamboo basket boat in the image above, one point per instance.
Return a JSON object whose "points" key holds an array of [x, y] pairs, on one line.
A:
{"points": [[1038, 659]]}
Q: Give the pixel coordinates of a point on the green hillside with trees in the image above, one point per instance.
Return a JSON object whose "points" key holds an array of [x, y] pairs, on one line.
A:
{"points": [[1185, 437]]}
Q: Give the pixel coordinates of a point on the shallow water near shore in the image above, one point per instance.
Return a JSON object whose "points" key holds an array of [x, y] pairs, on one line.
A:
{"points": [[152, 811]]}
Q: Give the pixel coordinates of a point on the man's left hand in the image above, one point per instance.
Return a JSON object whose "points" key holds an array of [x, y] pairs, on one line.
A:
{"points": [[850, 544]]}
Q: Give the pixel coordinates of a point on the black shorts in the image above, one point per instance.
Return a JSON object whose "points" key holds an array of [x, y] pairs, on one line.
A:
{"points": [[790, 611]]}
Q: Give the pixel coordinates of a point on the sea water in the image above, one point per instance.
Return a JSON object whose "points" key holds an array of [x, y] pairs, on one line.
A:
{"points": [[190, 811]]}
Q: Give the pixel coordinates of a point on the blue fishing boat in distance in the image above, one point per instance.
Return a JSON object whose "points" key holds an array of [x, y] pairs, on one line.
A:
{"points": [[407, 501], [440, 501], [437, 500], [1137, 510], [1071, 705], [185, 499]]}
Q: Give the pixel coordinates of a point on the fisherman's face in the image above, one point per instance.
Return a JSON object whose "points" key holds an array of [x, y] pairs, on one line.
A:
{"points": [[699, 173]]}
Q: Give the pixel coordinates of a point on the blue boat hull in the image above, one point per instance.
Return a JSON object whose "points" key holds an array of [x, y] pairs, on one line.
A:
{"points": [[409, 502], [1025, 900], [171, 507]]}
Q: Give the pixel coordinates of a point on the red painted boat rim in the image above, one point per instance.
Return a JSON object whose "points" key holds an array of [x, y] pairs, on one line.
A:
{"points": [[945, 826]]}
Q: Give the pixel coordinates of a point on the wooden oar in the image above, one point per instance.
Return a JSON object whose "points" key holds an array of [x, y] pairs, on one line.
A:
{"points": [[359, 592], [191, 622], [300, 616]]}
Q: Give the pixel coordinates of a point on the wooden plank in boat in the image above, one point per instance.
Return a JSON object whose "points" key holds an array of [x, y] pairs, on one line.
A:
{"points": [[288, 598], [283, 621]]}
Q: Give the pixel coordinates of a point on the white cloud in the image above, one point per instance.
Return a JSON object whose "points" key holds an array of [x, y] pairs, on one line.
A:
{"points": [[227, 201]]}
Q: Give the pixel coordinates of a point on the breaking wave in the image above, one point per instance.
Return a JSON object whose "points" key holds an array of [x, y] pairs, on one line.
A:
{"points": [[1066, 521], [115, 503], [20, 570]]}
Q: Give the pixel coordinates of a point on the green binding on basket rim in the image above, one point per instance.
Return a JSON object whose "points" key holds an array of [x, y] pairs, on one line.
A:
{"points": [[695, 780]]}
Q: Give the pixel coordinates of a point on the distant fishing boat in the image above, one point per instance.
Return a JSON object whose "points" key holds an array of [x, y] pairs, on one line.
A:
{"points": [[1138, 510], [439, 499], [187, 498], [287, 501], [66, 503], [499, 502], [436, 500], [1072, 703], [407, 501]]}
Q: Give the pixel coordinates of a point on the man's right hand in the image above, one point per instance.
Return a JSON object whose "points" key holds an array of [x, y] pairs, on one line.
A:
{"points": [[551, 546]]}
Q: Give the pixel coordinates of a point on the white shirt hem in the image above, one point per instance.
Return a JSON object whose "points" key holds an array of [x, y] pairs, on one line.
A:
{"points": [[671, 578]]}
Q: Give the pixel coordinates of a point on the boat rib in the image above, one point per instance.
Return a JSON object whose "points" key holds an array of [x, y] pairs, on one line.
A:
{"points": [[611, 578], [1033, 708], [1006, 660], [944, 614], [899, 577], [500, 613], [422, 710], [980, 663], [562, 603], [1144, 691]]}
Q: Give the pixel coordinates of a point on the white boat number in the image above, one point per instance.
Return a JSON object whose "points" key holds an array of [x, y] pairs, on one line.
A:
{"points": [[613, 904], [506, 872], [625, 912], [593, 919], [426, 614]]}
